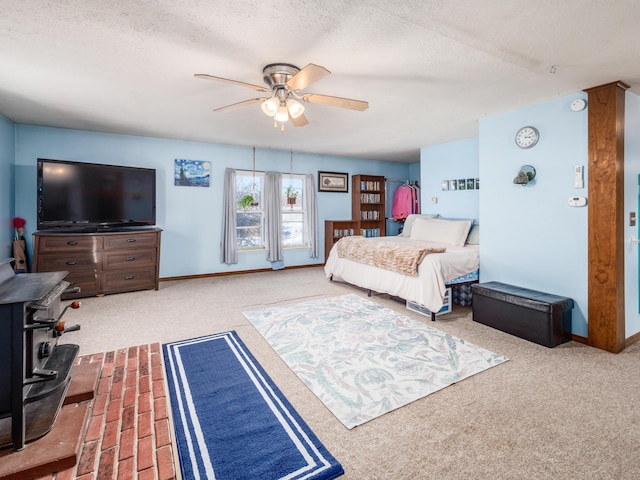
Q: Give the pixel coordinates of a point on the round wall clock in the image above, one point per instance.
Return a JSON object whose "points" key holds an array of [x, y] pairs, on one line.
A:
{"points": [[527, 137]]}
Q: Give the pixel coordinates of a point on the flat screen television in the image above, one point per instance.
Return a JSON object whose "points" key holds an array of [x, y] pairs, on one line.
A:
{"points": [[90, 196]]}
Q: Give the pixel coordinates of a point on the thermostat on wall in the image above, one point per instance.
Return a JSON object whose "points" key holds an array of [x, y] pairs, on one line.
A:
{"points": [[577, 201]]}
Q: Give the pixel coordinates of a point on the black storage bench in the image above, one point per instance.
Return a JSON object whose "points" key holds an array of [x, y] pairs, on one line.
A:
{"points": [[539, 317]]}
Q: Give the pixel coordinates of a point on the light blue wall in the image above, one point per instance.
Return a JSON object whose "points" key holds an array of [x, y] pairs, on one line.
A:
{"points": [[189, 216], [530, 235], [448, 161], [631, 175], [7, 155], [414, 171]]}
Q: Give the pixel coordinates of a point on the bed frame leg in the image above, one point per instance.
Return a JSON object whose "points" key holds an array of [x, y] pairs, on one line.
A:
{"points": [[369, 293], [433, 317]]}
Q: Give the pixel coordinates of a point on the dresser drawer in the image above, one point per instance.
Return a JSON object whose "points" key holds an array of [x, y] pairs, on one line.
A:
{"points": [[129, 259], [70, 243], [71, 262], [100, 263], [87, 282], [130, 279], [127, 242]]}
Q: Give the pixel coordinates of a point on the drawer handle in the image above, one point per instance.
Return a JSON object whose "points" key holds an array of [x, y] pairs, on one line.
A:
{"points": [[71, 262], [129, 259], [131, 240], [72, 242], [129, 277]]}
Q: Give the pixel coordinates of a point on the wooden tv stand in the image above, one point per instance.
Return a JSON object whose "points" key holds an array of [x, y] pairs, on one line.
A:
{"points": [[101, 262]]}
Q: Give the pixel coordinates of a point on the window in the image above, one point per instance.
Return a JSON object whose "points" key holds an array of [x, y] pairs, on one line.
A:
{"points": [[250, 211], [249, 216], [295, 231]]}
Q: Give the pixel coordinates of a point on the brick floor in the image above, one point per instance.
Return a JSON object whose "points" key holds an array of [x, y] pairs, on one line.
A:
{"points": [[128, 433]]}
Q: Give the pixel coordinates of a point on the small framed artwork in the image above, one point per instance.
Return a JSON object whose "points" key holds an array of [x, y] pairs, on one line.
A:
{"points": [[477, 184], [445, 185], [453, 184], [191, 173], [333, 182], [462, 184], [471, 183]]}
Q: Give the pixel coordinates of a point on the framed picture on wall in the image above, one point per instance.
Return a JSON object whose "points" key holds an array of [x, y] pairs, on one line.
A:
{"points": [[462, 184], [477, 184], [445, 185], [471, 183], [191, 173], [453, 184], [333, 182]]}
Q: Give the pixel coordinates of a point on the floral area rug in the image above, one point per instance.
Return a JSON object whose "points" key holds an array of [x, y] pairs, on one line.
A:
{"points": [[362, 359]]}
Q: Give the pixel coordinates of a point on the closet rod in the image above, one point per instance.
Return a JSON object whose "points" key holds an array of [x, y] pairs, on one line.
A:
{"points": [[403, 180]]}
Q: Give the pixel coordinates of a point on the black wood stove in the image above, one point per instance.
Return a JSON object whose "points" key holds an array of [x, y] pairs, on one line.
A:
{"points": [[34, 369]]}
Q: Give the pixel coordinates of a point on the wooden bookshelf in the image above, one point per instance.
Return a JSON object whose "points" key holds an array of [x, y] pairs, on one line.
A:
{"points": [[334, 230], [368, 204]]}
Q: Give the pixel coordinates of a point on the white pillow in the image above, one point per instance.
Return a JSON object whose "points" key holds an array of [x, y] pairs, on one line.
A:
{"points": [[474, 235], [406, 229], [452, 232]]}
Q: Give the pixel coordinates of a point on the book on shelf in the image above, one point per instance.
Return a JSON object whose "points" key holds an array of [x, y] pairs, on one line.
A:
{"points": [[370, 232], [369, 215], [369, 185], [347, 232], [369, 198]]}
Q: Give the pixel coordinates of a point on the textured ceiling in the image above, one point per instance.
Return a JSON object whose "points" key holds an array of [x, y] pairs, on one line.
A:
{"points": [[428, 68]]}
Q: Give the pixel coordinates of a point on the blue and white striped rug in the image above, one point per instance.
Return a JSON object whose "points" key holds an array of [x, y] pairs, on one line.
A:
{"points": [[230, 419]]}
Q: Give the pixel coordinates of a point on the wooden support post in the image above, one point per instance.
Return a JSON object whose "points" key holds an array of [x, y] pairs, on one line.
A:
{"points": [[606, 217]]}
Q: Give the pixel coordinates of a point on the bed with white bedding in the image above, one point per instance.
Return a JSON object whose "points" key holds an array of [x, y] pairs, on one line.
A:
{"points": [[436, 269]]}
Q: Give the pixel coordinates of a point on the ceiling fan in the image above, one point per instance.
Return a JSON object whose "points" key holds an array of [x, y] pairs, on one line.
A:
{"points": [[285, 83]]}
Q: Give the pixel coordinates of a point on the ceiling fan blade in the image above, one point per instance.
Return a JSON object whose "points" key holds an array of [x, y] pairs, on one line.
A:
{"points": [[301, 121], [305, 77], [234, 82], [233, 106], [341, 102]]}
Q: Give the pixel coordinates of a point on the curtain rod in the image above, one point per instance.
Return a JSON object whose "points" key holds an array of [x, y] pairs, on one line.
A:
{"points": [[263, 171]]}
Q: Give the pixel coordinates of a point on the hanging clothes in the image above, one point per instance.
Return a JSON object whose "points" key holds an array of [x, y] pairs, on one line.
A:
{"points": [[402, 202], [406, 200], [415, 198]]}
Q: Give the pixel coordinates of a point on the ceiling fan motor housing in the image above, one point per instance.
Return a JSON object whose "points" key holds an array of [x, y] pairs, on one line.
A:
{"points": [[276, 75]]}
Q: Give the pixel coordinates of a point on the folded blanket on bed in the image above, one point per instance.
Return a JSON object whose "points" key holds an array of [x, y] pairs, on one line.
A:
{"points": [[401, 258]]}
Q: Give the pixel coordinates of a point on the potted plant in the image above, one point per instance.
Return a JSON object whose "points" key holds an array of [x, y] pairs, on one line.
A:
{"points": [[291, 195], [247, 201]]}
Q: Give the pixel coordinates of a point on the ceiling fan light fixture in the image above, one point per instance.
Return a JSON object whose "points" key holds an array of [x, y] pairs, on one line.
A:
{"points": [[284, 86], [295, 108], [270, 106], [282, 115]]}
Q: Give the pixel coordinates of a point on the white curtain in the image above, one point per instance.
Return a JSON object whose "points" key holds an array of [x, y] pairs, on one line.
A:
{"points": [[228, 243], [312, 214], [273, 215]]}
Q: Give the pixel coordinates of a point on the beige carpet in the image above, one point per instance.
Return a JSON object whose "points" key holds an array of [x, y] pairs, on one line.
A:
{"points": [[570, 412]]}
